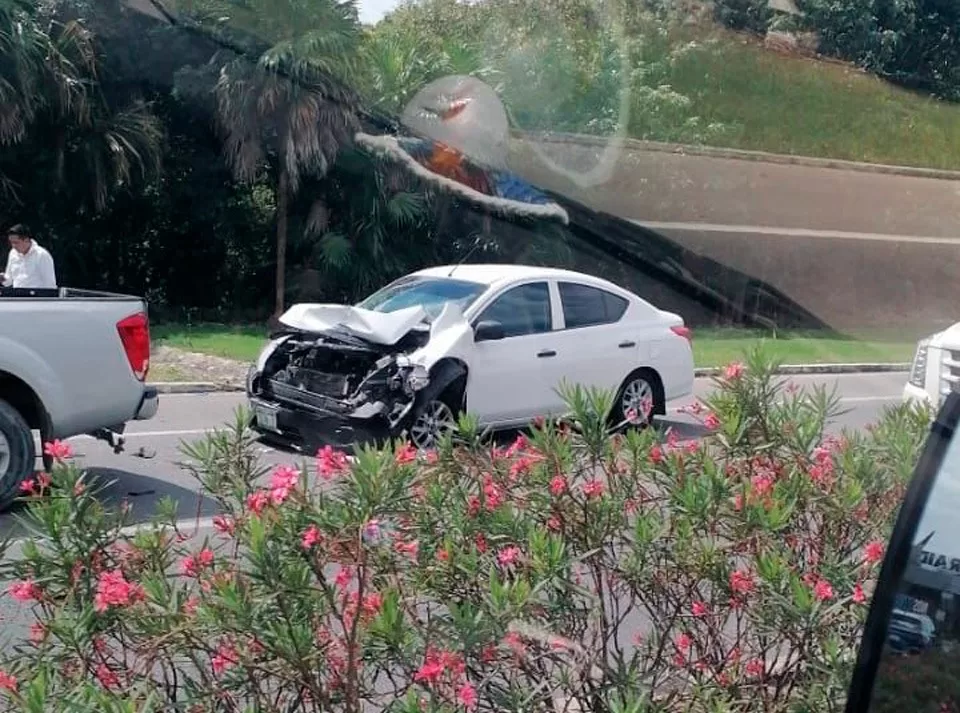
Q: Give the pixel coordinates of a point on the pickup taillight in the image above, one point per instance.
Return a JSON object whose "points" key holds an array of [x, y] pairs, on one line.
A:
{"points": [[135, 336]]}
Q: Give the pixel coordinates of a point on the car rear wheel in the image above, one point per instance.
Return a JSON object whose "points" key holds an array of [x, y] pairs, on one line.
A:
{"points": [[431, 422], [17, 453], [639, 398]]}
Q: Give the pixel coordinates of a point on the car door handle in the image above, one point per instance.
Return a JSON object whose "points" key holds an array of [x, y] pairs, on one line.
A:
{"points": [[546, 353], [627, 345]]}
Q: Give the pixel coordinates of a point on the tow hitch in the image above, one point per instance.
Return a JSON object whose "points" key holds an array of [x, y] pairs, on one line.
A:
{"points": [[114, 438]]}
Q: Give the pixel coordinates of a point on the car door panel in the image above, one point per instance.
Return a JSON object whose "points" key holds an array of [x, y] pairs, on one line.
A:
{"points": [[505, 385]]}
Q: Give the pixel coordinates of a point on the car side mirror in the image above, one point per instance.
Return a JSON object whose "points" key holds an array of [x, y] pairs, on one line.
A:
{"points": [[488, 331], [908, 655]]}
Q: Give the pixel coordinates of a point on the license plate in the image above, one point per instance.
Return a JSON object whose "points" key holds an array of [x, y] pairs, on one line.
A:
{"points": [[266, 417]]}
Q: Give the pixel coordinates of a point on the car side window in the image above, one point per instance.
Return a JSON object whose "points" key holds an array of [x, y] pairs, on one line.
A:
{"points": [[522, 310], [585, 306]]}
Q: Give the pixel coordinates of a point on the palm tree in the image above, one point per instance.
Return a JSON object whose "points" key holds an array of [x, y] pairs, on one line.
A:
{"points": [[49, 85], [288, 111]]}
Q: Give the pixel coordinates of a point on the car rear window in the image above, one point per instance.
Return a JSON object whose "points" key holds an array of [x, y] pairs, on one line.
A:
{"points": [[585, 306]]}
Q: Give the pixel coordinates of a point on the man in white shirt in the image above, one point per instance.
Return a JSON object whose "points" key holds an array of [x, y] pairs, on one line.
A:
{"points": [[29, 265]]}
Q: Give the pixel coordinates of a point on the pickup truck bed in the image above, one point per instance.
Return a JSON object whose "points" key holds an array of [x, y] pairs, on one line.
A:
{"points": [[71, 362]]}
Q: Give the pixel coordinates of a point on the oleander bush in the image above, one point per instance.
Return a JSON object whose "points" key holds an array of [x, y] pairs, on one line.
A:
{"points": [[573, 568]]}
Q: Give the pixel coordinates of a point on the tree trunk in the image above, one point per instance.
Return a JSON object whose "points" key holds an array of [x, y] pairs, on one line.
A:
{"points": [[283, 196]]}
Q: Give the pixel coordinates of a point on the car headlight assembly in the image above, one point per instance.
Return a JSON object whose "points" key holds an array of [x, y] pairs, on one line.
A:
{"points": [[918, 372], [417, 379]]}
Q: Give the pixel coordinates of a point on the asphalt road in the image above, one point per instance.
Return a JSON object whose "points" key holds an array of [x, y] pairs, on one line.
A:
{"points": [[183, 418]]}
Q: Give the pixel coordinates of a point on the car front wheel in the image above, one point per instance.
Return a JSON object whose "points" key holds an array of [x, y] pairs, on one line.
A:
{"points": [[431, 422]]}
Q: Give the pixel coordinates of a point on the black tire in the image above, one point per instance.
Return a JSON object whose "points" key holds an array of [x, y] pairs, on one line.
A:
{"points": [[645, 380], [445, 403], [17, 453]]}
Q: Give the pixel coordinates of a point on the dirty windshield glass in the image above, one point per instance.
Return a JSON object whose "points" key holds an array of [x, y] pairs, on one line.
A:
{"points": [[716, 244]]}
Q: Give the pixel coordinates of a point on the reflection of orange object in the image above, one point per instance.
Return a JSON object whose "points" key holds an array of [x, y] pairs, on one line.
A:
{"points": [[449, 163]]}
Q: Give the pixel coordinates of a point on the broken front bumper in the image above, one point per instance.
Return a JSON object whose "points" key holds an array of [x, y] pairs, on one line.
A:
{"points": [[309, 430]]}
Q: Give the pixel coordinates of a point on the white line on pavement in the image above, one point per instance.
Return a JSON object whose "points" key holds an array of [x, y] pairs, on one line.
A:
{"points": [[158, 434], [797, 232]]}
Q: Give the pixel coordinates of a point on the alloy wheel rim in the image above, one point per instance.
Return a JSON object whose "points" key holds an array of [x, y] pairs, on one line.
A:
{"points": [[636, 395], [435, 420], [5, 456]]}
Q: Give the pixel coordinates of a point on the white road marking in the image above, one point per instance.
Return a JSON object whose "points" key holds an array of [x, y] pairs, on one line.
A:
{"points": [[798, 232], [158, 434]]}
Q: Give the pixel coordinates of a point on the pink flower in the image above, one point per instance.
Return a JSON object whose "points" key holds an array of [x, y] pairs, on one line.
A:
{"points": [[467, 696], [873, 552], [631, 415], [823, 590], [523, 464], [310, 537], [58, 450], [431, 670], [113, 590], [331, 462], [741, 582], [481, 542], [733, 371], [684, 642], [37, 632], [407, 453], [513, 641], [519, 444], [762, 484], [700, 609], [858, 596], [192, 565], [190, 606], [25, 591], [443, 556], [282, 482], [554, 524], [225, 657], [755, 668], [107, 677], [344, 577], [558, 485], [411, 548], [593, 488], [508, 555], [8, 682], [711, 421], [258, 501], [28, 486], [225, 525], [656, 454]]}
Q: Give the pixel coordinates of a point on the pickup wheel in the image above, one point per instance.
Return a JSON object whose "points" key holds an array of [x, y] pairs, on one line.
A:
{"points": [[17, 453]]}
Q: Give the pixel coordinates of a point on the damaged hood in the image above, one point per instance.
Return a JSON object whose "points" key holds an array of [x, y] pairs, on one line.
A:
{"points": [[385, 328]]}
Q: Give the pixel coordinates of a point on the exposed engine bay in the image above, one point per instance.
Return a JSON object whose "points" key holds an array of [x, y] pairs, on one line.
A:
{"points": [[339, 373]]}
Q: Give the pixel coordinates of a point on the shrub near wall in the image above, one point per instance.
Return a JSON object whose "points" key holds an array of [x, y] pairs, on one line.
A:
{"points": [[623, 571]]}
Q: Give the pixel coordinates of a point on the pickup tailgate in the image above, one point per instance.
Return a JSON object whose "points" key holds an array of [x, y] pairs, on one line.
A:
{"points": [[85, 355]]}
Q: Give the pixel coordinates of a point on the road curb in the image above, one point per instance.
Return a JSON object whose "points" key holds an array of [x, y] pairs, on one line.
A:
{"points": [[202, 387], [743, 155], [194, 387], [823, 369]]}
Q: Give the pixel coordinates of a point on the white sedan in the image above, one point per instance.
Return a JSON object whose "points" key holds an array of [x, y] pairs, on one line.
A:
{"points": [[494, 340]]}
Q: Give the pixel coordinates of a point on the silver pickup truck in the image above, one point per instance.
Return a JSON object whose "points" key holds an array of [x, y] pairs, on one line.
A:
{"points": [[72, 362]]}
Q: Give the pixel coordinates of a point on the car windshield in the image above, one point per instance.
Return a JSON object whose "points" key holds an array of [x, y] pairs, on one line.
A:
{"points": [[431, 293]]}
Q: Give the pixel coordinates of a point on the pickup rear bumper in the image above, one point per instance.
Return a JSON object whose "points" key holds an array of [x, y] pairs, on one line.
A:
{"points": [[149, 404]]}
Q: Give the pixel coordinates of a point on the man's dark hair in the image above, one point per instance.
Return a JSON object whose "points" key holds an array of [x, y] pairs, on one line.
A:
{"points": [[20, 231]]}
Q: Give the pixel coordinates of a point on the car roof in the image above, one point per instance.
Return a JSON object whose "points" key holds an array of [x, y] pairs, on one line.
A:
{"points": [[492, 275]]}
